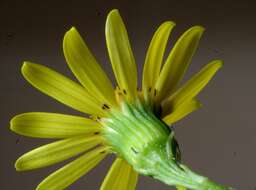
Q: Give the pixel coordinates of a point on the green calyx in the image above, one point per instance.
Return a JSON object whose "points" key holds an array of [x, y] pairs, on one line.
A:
{"points": [[148, 144]]}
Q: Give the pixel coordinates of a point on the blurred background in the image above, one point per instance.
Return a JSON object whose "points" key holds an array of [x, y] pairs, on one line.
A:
{"points": [[217, 141]]}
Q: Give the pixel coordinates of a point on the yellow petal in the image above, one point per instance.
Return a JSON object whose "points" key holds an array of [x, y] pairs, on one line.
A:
{"points": [[180, 188], [56, 152], [191, 88], [120, 176], [52, 125], [121, 55], [177, 62], [61, 88], [182, 111], [154, 57], [86, 69], [68, 174]]}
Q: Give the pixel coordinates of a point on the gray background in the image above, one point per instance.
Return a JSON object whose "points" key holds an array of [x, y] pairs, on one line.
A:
{"points": [[217, 141]]}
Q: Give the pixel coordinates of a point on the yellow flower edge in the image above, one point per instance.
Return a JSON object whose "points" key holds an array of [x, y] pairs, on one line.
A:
{"points": [[132, 123]]}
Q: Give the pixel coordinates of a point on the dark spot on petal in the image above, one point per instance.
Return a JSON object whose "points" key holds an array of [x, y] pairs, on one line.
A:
{"points": [[102, 152], [124, 91], [155, 92], [149, 89], [106, 106], [96, 133]]}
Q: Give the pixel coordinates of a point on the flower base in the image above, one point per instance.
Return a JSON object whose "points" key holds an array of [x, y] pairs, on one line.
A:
{"points": [[148, 144]]}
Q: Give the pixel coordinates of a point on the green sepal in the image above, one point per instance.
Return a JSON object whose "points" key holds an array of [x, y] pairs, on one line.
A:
{"points": [[149, 145], [172, 148]]}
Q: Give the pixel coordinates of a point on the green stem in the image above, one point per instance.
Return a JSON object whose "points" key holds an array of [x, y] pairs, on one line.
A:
{"points": [[148, 144]]}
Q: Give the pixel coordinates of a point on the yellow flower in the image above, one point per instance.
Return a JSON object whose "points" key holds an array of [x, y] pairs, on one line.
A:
{"points": [[131, 123]]}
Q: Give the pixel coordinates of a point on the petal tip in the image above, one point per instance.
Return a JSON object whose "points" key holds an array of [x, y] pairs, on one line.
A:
{"points": [[13, 126], [69, 32], [221, 63], [170, 23], [198, 28], [113, 12], [112, 15], [18, 165], [25, 66], [73, 28], [217, 63]]}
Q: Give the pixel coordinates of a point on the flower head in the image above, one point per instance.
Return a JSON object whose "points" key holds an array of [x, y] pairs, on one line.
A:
{"points": [[129, 122]]}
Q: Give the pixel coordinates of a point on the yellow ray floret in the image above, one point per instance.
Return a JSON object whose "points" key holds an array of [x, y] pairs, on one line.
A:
{"points": [[86, 69], [61, 88], [191, 88], [121, 55], [177, 62], [154, 57], [53, 125], [120, 176], [182, 111], [68, 174], [56, 152]]}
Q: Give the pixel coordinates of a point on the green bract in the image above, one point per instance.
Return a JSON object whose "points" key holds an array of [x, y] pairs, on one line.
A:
{"points": [[126, 121]]}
